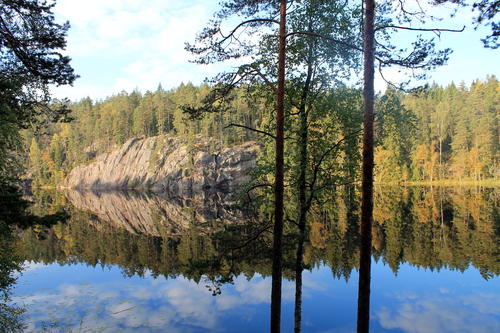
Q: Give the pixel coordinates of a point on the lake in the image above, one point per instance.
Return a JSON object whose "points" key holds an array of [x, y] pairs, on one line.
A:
{"points": [[153, 263]]}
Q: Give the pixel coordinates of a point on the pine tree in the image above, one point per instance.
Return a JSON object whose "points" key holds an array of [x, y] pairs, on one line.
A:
{"points": [[31, 60]]}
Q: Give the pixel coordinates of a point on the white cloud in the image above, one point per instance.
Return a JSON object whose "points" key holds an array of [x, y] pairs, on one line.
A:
{"points": [[121, 45], [124, 44]]}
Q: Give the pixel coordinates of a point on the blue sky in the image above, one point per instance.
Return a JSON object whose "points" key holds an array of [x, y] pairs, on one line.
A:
{"points": [[126, 44]]}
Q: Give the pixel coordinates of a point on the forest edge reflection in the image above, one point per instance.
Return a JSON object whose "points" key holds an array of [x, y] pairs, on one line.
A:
{"points": [[429, 228], [14, 214]]}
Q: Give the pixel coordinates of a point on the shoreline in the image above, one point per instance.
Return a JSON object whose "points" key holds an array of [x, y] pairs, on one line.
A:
{"points": [[437, 183], [446, 182]]}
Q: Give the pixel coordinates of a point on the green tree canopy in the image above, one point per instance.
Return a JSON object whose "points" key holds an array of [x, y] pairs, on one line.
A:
{"points": [[31, 59]]}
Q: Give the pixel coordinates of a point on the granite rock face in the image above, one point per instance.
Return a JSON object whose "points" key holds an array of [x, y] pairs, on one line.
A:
{"points": [[168, 164]]}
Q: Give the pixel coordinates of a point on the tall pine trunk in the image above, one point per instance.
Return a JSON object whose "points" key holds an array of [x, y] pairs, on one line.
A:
{"points": [[302, 179], [367, 181], [279, 179]]}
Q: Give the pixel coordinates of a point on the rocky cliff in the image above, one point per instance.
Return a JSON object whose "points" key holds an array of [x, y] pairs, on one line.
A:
{"points": [[165, 163]]}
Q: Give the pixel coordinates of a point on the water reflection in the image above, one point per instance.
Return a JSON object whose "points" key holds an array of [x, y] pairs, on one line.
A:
{"points": [[365, 260], [423, 235], [10, 313], [143, 213], [169, 305], [446, 311], [14, 214]]}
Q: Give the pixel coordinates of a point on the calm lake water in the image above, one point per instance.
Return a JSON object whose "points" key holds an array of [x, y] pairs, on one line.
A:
{"points": [[148, 263]]}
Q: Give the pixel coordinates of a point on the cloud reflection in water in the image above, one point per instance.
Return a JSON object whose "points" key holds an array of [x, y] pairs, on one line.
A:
{"points": [[144, 304]]}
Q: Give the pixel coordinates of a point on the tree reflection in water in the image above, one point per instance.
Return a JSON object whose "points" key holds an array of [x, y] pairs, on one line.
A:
{"points": [[15, 216], [10, 315], [363, 324], [429, 228]]}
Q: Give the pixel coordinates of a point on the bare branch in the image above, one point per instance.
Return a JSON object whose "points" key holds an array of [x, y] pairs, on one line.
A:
{"points": [[251, 129], [262, 76], [383, 77], [288, 219], [259, 185], [401, 6], [437, 30], [313, 34], [333, 183], [224, 38]]}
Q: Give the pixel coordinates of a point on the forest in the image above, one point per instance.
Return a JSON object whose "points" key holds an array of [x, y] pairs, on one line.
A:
{"points": [[432, 134], [303, 89]]}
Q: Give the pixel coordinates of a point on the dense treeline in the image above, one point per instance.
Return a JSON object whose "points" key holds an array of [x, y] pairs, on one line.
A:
{"points": [[440, 133], [436, 133], [429, 228], [100, 126]]}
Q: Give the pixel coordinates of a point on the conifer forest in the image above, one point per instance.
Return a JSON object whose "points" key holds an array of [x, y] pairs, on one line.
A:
{"points": [[285, 165], [436, 133]]}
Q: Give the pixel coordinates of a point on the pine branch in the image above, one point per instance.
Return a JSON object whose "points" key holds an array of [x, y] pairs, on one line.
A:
{"points": [[251, 129], [224, 38], [262, 76], [437, 30], [313, 34]]}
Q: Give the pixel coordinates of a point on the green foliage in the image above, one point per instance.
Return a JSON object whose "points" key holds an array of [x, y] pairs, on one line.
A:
{"points": [[31, 60], [103, 126], [396, 127], [456, 131], [434, 134]]}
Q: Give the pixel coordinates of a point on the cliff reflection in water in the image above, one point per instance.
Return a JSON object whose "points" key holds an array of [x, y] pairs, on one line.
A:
{"points": [[206, 246], [429, 228], [155, 214]]}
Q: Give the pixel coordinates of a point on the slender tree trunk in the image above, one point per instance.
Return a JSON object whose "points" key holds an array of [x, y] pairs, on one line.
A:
{"points": [[279, 179], [302, 224], [367, 181], [303, 206], [302, 210]]}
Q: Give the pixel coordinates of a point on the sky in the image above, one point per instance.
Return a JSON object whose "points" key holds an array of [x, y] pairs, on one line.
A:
{"points": [[118, 45]]}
